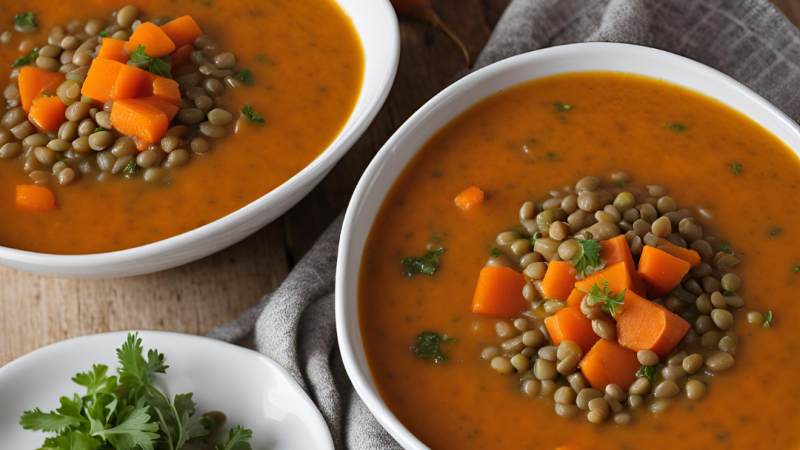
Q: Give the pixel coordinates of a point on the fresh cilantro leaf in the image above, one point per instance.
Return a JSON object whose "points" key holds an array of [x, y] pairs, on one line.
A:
{"points": [[132, 168], [725, 248], [52, 421], [237, 439], [647, 371], [27, 59], [727, 293], [71, 440], [135, 370], [155, 65], [249, 114], [426, 264], [103, 33], [25, 21], [428, 347], [736, 168], [135, 430], [99, 129], [676, 127], [588, 255], [561, 107], [245, 76], [768, 319], [610, 303], [535, 236], [496, 252]]}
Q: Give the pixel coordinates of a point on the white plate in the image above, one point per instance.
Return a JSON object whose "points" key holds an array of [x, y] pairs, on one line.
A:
{"points": [[376, 25], [251, 389], [404, 144]]}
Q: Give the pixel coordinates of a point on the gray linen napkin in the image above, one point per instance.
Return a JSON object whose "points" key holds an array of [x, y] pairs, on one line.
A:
{"points": [[747, 39]]}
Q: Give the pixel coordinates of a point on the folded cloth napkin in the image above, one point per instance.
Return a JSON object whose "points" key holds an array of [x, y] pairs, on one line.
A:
{"points": [[747, 39]]}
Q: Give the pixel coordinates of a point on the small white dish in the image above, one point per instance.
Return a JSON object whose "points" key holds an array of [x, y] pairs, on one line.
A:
{"points": [[404, 144], [251, 389], [376, 25]]}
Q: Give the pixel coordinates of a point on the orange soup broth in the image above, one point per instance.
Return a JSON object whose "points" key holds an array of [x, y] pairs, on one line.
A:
{"points": [[516, 147], [307, 63]]}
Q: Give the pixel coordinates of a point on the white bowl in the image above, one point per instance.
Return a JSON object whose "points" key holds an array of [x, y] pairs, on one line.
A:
{"points": [[404, 144], [376, 24], [251, 389]]}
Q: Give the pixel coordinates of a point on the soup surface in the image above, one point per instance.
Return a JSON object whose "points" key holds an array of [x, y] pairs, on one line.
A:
{"points": [[307, 64], [516, 146]]}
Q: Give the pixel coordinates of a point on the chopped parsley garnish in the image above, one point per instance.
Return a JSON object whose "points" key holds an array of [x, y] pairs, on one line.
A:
{"points": [[768, 319], [775, 231], [727, 293], [496, 252], [561, 107], [535, 236], [447, 338], [155, 65], [25, 20], [426, 264], [588, 255], [428, 346], [132, 168], [103, 33], [245, 76], [676, 127], [647, 371], [610, 303], [249, 114], [736, 168], [796, 269], [99, 129], [725, 248], [27, 59], [621, 183]]}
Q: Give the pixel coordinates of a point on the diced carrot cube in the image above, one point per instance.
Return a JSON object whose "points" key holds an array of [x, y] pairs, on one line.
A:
{"points": [[166, 89], [100, 80], [469, 199], [156, 43], [33, 81], [559, 280], [610, 363], [616, 250], [688, 255], [31, 197], [661, 271], [140, 119], [644, 325], [618, 278], [47, 113], [130, 81], [181, 56], [182, 31], [113, 49], [569, 324], [575, 297], [166, 107], [499, 292]]}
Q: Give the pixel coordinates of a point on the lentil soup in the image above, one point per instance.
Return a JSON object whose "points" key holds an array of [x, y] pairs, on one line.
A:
{"points": [[307, 67], [734, 177]]}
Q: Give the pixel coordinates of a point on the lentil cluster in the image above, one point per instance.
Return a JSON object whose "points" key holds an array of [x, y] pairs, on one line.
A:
{"points": [[706, 298], [87, 144]]}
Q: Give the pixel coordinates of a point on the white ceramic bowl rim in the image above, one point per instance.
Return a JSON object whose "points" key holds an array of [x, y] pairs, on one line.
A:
{"points": [[317, 169], [376, 182]]}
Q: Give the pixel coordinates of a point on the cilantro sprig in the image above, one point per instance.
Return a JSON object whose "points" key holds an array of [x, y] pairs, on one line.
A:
{"points": [[155, 65], [428, 346], [587, 256], [768, 319], [27, 59], [648, 372], [25, 22], [426, 263], [736, 168], [245, 76], [125, 411], [249, 114], [611, 303]]}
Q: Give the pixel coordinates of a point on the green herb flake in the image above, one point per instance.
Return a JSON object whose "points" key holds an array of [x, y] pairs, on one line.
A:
{"points": [[245, 76], [727, 293], [155, 65], [725, 248], [425, 264], [535, 236], [611, 303], [588, 255], [132, 168], [796, 269], [447, 338], [27, 59], [621, 183], [775, 231], [676, 127], [496, 252], [768, 319], [428, 347], [249, 114], [26, 20], [561, 107], [99, 129], [736, 168], [647, 371], [237, 439], [103, 33]]}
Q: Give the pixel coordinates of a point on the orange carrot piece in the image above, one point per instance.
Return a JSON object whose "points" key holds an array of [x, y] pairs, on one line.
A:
{"points": [[645, 325], [181, 56], [575, 297], [499, 292], [569, 324], [113, 49], [33, 81], [182, 31], [31, 197], [130, 81], [100, 80], [140, 144], [610, 363], [156, 43], [47, 113], [135, 117], [661, 271], [616, 250], [618, 278], [469, 199], [166, 107], [688, 255], [559, 280], [166, 90]]}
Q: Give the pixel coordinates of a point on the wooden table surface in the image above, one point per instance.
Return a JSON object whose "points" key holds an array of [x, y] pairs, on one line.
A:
{"points": [[39, 310]]}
